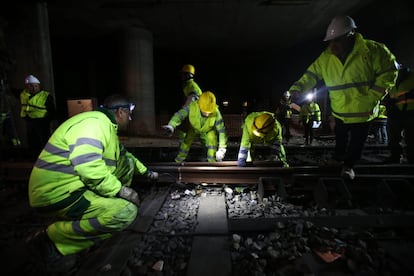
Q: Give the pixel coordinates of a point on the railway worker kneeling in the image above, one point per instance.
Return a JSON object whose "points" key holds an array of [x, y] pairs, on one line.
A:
{"points": [[83, 177], [261, 128]]}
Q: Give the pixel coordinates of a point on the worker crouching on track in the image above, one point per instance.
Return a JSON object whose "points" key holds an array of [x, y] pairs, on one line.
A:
{"points": [[83, 176], [205, 121], [261, 128]]}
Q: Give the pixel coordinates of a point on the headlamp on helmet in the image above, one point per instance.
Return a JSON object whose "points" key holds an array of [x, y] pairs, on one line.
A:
{"points": [[129, 106], [309, 97]]}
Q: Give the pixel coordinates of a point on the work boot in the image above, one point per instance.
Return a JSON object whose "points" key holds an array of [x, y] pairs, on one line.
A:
{"points": [[42, 249], [348, 173]]}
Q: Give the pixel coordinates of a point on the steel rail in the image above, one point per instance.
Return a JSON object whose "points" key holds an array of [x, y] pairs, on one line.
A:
{"points": [[228, 172]]}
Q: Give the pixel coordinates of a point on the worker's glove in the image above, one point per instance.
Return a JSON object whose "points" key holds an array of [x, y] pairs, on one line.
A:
{"points": [[129, 194], [220, 154], [241, 162], [153, 176], [169, 130]]}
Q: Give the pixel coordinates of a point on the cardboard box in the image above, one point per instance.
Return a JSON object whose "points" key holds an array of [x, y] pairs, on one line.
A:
{"points": [[76, 106]]}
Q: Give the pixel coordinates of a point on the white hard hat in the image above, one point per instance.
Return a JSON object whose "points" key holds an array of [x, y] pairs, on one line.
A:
{"points": [[286, 94], [339, 26], [31, 79]]}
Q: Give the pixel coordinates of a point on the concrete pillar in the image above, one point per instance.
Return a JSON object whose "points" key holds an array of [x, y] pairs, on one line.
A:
{"points": [[31, 46], [137, 76], [29, 43]]}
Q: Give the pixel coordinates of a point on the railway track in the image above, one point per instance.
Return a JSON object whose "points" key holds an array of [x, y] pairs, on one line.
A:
{"points": [[379, 199], [215, 227]]}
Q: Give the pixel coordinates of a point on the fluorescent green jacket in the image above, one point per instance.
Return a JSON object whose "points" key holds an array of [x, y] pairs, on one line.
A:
{"points": [[81, 154], [191, 87], [199, 123], [273, 138], [356, 87], [35, 106], [24, 98], [310, 111], [403, 95], [382, 114]]}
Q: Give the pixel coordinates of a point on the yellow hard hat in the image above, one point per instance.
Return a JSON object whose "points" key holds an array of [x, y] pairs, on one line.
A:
{"points": [[207, 102], [188, 68], [263, 124]]}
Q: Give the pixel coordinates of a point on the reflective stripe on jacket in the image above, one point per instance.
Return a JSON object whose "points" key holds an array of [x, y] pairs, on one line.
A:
{"points": [[403, 95], [356, 87], [191, 87], [24, 98], [199, 123], [33, 106], [310, 111], [273, 138], [81, 154]]}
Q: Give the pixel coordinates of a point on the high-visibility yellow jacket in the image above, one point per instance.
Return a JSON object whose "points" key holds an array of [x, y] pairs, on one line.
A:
{"points": [[273, 138], [402, 95], [357, 86], [24, 98], [284, 111], [382, 114], [191, 87], [310, 111], [200, 123], [33, 106], [81, 154]]}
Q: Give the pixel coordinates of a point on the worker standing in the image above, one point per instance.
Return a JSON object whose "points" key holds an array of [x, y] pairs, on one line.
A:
{"points": [[38, 109], [310, 115], [261, 128], [284, 115], [204, 120], [379, 126], [401, 116], [191, 89], [7, 123], [358, 73], [83, 177]]}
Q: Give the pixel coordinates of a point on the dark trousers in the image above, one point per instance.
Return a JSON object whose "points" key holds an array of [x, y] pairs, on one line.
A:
{"points": [[38, 132], [350, 140], [286, 128], [395, 127], [308, 129]]}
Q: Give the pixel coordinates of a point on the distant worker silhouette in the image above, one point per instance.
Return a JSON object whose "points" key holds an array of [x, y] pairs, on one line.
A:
{"points": [[310, 115], [38, 109], [191, 89], [284, 114], [401, 117]]}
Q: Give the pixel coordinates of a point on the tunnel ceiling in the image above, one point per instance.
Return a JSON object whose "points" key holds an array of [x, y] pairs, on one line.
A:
{"points": [[199, 24]]}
